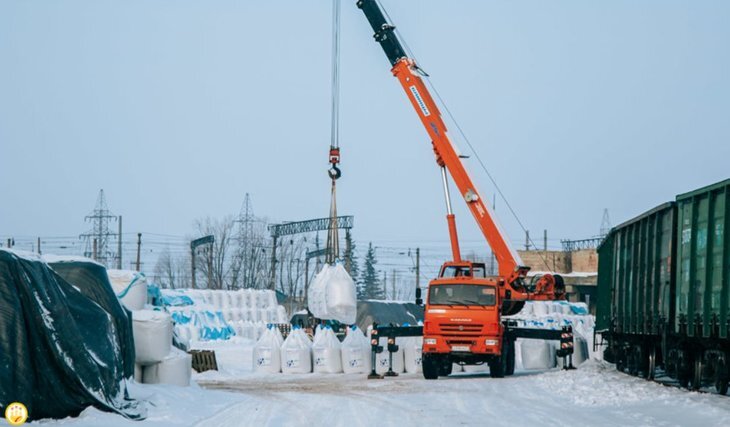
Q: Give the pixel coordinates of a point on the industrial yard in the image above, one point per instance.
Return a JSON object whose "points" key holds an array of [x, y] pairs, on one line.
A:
{"points": [[364, 212]]}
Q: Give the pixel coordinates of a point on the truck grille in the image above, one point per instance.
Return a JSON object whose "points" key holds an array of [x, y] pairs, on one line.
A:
{"points": [[457, 329]]}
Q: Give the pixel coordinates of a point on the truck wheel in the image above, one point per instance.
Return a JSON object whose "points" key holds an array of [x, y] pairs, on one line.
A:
{"points": [[430, 366], [510, 368], [498, 366]]}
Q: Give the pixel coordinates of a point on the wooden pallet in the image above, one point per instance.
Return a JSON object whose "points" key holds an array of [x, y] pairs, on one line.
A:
{"points": [[204, 360]]}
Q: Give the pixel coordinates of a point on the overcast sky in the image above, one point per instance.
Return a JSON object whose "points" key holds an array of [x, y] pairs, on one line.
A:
{"points": [[178, 108]]}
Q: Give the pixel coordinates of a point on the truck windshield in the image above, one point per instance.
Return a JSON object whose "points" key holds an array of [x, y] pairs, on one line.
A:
{"points": [[459, 294], [459, 271]]}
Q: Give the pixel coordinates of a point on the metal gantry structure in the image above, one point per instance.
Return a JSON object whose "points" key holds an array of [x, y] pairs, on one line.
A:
{"points": [[98, 239]]}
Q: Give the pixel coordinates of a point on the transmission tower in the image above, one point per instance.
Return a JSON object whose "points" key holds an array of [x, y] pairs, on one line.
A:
{"points": [[605, 223], [98, 238], [244, 272]]}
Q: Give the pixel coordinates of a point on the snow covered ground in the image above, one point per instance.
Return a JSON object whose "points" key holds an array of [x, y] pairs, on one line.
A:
{"points": [[594, 395]]}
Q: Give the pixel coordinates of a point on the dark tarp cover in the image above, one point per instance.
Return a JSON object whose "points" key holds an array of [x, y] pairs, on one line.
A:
{"points": [[387, 312], [92, 280], [59, 351]]}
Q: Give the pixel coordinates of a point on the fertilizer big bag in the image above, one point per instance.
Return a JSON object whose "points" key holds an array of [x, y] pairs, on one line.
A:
{"points": [[296, 353], [267, 353], [326, 352], [332, 296], [356, 352]]}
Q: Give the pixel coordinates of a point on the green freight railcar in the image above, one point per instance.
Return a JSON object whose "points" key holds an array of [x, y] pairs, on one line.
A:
{"points": [[663, 284]]}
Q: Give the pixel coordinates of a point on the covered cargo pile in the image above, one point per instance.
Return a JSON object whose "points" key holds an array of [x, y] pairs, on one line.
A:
{"points": [[59, 348], [387, 312]]}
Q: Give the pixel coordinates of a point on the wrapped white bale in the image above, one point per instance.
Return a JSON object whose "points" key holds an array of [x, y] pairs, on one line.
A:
{"points": [[267, 353], [326, 352], [412, 353], [527, 310], [518, 355], [296, 353], [540, 308], [130, 287], [174, 369], [281, 316], [536, 354], [332, 296], [152, 335], [356, 352]]}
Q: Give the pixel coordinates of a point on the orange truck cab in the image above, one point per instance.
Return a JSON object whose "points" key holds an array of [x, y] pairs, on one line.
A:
{"points": [[462, 322]]}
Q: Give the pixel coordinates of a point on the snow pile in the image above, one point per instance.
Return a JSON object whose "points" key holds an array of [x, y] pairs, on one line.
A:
{"points": [[332, 295], [130, 287], [205, 315]]}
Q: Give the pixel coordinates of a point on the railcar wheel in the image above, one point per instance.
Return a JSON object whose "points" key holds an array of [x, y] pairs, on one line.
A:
{"points": [[650, 363], [696, 374], [721, 377]]}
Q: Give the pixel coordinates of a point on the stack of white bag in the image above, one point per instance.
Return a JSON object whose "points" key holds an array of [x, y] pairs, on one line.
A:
{"points": [[382, 359], [332, 296], [296, 353], [267, 351], [413, 353], [156, 360], [327, 352], [355, 349]]}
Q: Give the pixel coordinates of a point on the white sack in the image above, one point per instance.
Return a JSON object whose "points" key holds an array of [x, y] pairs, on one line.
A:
{"points": [[356, 352], [382, 360], [296, 353], [152, 335], [413, 353], [332, 296], [174, 369], [536, 354], [267, 353], [326, 352]]}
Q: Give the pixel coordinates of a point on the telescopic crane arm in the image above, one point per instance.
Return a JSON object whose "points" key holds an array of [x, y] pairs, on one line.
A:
{"points": [[409, 75]]}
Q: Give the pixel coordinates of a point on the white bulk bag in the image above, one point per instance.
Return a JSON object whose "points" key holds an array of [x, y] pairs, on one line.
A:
{"points": [[296, 353], [174, 369], [355, 352], [281, 315], [130, 287], [152, 332], [331, 295], [277, 334], [267, 354], [326, 352], [536, 354], [413, 353], [382, 359]]}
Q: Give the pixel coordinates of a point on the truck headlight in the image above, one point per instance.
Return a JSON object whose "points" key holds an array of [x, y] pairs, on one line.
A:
{"points": [[430, 341], [491, 342]]}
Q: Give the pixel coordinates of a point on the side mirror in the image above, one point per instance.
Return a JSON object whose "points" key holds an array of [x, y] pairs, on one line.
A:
{"points": [[419, 300]]}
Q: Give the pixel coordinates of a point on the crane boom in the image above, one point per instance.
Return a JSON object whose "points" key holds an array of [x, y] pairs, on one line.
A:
{"points": [[409, 76]]}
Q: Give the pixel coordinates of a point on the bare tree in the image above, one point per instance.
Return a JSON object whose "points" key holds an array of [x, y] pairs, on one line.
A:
{"points": [[172, 272], [217, 268], [291, 267], [250, 266]]}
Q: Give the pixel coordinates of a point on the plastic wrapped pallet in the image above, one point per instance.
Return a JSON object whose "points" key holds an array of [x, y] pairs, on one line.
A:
{"points": [[331, 295], [267, 353], [296, 353], [537, 354], [152, 335], [326, 352], [356, 352], [412, 353], [174, 369], [130, 287]]}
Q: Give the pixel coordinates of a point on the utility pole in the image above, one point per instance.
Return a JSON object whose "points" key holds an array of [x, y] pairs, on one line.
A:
{"points": [[209, 250], [192, 263], [94, 253], [544, 240], [385, 284], [418, 268], [39, 246], [527, 240], [272, 282], [392, 295], [119, 245], [139, 248]]}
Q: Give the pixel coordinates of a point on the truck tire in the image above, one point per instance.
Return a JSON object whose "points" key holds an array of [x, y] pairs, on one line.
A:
{"points": [[510, 368], [430, 365], [498, 366]]}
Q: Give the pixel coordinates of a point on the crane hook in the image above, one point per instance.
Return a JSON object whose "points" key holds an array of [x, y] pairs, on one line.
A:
{"points": [[334, 172]]}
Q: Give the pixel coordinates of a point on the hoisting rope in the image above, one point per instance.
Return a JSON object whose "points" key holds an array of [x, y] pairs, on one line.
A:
{"points": [[333, 238]]}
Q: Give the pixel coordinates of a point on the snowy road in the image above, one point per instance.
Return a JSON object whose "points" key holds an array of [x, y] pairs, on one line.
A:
{"points": [[595, 395]]}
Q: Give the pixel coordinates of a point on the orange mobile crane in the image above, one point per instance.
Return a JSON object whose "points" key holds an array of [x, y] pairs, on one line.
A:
{"points": [[463, 314]]}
